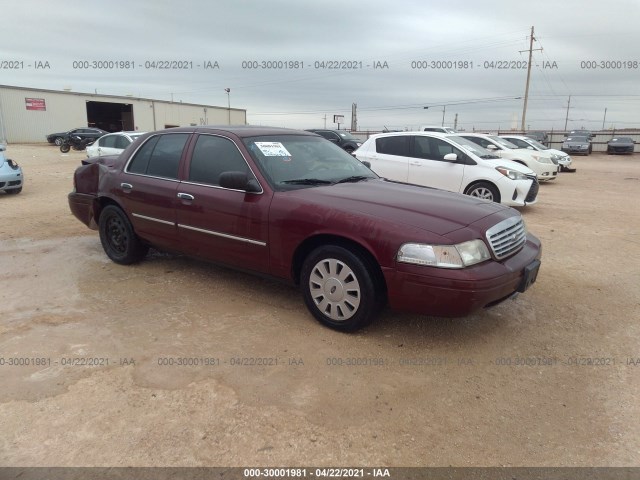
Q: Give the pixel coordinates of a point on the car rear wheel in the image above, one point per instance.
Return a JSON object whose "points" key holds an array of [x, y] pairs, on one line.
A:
{"points": [[485, 191], [118, 239], [340, 289]]}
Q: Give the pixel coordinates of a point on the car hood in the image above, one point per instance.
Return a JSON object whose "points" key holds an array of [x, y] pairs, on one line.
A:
{"points": [[503, 162], [619, 143], [424, 208], [553, 151]]}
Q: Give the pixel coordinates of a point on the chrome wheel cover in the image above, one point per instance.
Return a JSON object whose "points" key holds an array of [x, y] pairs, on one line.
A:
{"points": [[482, 192], [335, 289]]}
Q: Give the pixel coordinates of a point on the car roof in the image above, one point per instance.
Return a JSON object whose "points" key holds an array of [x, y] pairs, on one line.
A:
{"points": [[521, 137], [418, 132], [238, 130]]}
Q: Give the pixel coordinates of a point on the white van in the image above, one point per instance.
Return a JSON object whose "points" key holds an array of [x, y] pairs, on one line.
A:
{"points": [[449, 162]]}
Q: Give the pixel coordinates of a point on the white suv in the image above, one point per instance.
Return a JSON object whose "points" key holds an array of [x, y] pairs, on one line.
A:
{"points": [[449, 162], [539, 162]]}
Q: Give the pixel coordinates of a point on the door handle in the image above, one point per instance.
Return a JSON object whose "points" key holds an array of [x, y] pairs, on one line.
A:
{"points": [[126, 187], [186, 196], [417, 164]]}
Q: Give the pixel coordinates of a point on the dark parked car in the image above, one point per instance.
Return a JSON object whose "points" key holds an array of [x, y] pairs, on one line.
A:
{"points": [[342, 138], [541, 137], [620, 145], [287, 204], [577, 144], [581, 133], [84, 132]]}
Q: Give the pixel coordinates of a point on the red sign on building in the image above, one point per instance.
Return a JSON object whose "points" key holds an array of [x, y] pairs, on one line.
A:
{"points": [[35, 104]]}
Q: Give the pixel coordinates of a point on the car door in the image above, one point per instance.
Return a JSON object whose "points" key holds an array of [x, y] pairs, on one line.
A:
{"points": [[106, 145], [148, 188], [428, 166], [221, 224], [389, 157]]}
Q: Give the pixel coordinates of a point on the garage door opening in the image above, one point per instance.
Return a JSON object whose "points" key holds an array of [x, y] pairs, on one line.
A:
{"points": [[112, 117]]}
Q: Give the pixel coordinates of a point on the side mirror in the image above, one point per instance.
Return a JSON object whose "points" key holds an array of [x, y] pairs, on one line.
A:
{"points": [[367, 164], [529, 147], [491, 146], [238, 181], [450, 157]]}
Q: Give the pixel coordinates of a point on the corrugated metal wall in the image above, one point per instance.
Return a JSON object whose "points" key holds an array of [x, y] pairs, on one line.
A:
{"points": [[67, 110]]}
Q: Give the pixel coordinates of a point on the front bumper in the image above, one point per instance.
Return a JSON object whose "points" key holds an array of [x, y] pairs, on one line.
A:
{"points": [[455, 293], [10, 178]]}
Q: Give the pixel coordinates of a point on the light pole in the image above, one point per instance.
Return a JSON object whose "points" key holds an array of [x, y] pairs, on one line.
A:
{"points": [[228, 90], [444, 109]]}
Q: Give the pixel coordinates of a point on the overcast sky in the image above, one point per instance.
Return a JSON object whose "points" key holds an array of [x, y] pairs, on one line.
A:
{"points": [[468, 39]]}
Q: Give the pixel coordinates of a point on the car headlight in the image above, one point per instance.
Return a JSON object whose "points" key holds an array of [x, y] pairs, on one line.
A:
{"points": [[444, 256], [555, 157], [512, 174]]}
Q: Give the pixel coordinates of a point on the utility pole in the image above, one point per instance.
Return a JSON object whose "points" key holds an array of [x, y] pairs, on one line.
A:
{"points": [[566, 119], [325, 121], [605, 117], [444, 109], [455, 123], [354, 117], [526, 91]]}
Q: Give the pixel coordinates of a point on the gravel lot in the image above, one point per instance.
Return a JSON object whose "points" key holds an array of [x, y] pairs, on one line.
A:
{"points": [[94, 343]]}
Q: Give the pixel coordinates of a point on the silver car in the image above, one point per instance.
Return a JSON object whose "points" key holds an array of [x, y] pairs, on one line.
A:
{"points": [[11, 177]]}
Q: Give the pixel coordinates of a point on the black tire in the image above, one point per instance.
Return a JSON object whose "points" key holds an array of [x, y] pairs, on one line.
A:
{"points": [[119, 241], [14, 191], [340, 288], [349, 149], [484, 190], [58, 141], [65, 147]]}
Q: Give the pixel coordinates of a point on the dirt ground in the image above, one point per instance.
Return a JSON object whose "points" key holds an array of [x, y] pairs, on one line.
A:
{"points": [[92, 353]]}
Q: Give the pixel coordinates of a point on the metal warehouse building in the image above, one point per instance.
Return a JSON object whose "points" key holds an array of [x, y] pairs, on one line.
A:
{"points": [[30, 114]]}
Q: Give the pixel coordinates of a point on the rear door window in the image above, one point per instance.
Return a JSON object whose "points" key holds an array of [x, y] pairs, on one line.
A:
{"points": [[397, 145], [160, 156]]}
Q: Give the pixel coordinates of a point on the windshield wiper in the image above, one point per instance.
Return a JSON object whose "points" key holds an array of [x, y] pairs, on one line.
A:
{"points": [[355, 178], [308, 181]]}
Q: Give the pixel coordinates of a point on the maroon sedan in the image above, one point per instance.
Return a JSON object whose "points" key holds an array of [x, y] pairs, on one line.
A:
{"points": [[294, 206]]}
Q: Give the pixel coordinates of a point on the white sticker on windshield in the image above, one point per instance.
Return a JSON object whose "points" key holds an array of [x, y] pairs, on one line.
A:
{"points": [[272, 149]]}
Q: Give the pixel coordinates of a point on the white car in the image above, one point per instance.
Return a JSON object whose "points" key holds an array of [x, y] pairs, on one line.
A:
{"points": [[539, 162], [429, 128], [557, 156], [112, 144], [449, 162]]}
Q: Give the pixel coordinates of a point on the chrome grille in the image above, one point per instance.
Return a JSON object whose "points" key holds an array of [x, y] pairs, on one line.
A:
{"points": [[507, 237]]}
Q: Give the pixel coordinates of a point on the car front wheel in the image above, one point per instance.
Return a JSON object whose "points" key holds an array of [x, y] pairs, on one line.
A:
{"points": [[118, 239], [339, 288], [485, 191], [58, 141]]}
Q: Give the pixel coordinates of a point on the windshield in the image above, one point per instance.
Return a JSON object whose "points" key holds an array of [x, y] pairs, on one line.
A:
{"points": [[536, 144], [299, 161], [471, 147], [347, 136], [577, 139], [622, 139], [503, 142]]}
